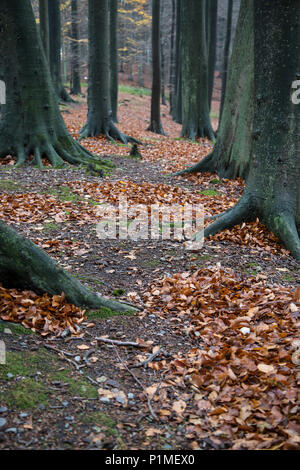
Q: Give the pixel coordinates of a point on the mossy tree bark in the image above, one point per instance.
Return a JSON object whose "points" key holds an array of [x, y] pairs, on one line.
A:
{"points": [[195, 108], [31, 122], [23, 265], [75, 50], [155, 119], [100, 119], [272, 191], [231, 155], [55, 49]]}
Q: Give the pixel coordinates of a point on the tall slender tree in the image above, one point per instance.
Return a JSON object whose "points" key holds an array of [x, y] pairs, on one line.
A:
{"points": [[113, 9], [55, 49], [155, 119], [226, 53], [212, 13], [100, 118], [272, 191], [195, 111], [75, 50], [231, 155]]}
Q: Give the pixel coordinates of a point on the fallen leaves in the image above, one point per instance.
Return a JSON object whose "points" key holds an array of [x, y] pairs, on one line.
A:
{"points": [[48, 315], [245, 380]]}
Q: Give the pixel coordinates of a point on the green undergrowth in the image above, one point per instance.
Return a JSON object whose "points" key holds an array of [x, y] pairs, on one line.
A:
{"points": [[210, 192], [15, 328], [28, 374], [9, 185], [134, 90], [105, 312], [105, 424]]}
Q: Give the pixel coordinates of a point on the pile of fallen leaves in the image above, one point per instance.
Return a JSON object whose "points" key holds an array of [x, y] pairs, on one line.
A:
{"points": [[47, 315], [240, 383]]}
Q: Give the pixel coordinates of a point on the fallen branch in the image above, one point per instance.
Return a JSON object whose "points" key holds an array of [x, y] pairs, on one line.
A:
{"points": [[153, 356], [121, 343]]}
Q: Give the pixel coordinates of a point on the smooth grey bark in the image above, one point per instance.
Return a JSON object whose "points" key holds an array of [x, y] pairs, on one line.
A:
{"points": [[272, 191], [155, 118], [100, 118], [231, 155], [55, 49], [212, 13], [172, 78], [31, 122], [226, 53], [75, 50], [195, 108], [114, 63]]}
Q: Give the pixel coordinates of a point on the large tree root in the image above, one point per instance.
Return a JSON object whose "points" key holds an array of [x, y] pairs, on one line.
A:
{"points": [[24, 265], [156, 127], [281, 222], [59, 151], [108, 129], [206, 165]]}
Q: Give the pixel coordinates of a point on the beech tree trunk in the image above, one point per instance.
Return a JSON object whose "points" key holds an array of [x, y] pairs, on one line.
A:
{"points": [[75, 50], [272, 191], [100, 118], [31, 122], [231, 155], [155, 119], [114, 66], [195, 108], [44, 25], [55, 49], [212, 13]]}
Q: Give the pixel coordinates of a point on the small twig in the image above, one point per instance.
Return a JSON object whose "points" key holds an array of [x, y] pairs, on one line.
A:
{"points": [[153, 356], [122, 343], [153, 414]]}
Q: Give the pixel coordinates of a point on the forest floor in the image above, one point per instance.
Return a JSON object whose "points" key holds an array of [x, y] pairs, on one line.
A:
{"points": [[218, 329]]}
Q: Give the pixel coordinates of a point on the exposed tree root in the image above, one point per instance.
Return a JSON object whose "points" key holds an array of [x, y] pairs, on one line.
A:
{"points": [[156, 128], [205, 165], [108, 129], [281, 222], [24, 265], [193, 133]]}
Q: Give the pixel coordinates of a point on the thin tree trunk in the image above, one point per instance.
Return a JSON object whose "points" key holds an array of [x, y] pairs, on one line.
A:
{"points": [[75, 50], [212, 7], [100, 120], [195, 110], [226, 53], [113, 4], [55, 49], [155, 119], [173, 59]]}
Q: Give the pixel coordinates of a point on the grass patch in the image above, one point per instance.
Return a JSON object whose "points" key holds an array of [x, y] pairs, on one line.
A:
{"points": [[134, 90], [15, 328], [210, 192], [105, 312], [8, 185], [118, 292], [24, 391], [51, 226]]}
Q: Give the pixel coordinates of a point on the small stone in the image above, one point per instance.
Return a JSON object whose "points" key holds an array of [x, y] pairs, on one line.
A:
{"points": [[120, 400], [105, 400], [23, 415], [12, 430], [65, 403], [2, 422], [3, 409], [77, 358], [130, 396], [9, 375], [245, 330]]}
